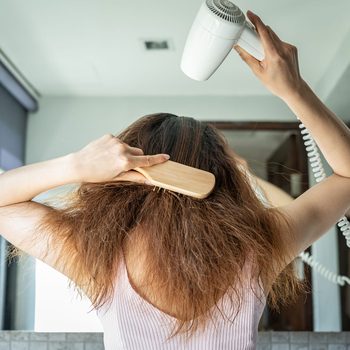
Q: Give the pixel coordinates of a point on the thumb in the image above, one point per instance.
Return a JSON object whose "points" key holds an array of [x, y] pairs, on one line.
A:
{"points": [[131, 175], [251, 61]]}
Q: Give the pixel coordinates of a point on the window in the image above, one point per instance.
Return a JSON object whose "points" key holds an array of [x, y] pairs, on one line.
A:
{"points": [[57, 307], [16, 292]]}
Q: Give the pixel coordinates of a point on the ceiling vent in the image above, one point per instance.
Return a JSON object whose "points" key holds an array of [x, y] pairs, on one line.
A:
{"points": [[157, 44]]}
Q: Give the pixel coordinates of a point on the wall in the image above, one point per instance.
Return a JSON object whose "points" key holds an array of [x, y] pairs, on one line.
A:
{"points": [[65, 124], [94, 341]]}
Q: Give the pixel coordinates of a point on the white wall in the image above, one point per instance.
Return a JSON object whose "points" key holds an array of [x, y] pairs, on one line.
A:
{"points": [[64, 124]]}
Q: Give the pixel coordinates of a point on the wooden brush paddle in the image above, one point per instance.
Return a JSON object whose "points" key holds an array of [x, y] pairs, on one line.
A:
{"points": [[180, 178]]}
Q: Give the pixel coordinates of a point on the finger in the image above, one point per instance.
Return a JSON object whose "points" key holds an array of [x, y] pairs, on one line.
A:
{"points": [[130, 149], [135, 150], [133, 176], [251, 61], [263, 32], [274, 36], [145, 161]]}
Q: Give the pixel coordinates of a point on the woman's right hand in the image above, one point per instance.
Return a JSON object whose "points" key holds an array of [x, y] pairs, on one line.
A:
{"points": [[110, 159], [279, 70]]}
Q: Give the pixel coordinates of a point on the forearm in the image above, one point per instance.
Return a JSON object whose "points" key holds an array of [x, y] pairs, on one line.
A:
{"points": [[275, 195], [330, 132], [24, 183]]}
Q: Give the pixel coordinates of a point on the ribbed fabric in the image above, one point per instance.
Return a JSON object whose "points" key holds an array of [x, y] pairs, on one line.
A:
{"points": [[130, 322]]}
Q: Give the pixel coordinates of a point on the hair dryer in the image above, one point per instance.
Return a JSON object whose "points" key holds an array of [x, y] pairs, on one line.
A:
{"points": [[218, 26]]}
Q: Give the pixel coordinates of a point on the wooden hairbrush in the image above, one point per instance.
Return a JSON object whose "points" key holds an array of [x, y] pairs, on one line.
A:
{"points": [[180, 178]]}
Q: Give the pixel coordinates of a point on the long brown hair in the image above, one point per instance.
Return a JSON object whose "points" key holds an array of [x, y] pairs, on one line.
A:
{"points": [[195, 248]]}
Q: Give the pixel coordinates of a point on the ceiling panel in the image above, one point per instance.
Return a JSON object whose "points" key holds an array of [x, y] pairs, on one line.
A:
{"points": [[92, 47]]}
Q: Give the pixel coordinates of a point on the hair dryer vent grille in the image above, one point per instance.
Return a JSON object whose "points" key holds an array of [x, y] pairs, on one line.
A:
{"points": [[226, 10]]}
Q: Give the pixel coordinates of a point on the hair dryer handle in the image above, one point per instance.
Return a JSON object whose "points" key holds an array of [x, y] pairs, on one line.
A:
{"points": [[250, 41]]}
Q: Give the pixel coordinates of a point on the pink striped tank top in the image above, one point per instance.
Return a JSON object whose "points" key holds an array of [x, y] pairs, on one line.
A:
{"points": [[130, 322]]}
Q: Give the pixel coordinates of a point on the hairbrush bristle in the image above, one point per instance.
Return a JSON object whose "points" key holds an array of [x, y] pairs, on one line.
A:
{"points": [[158, 188]]}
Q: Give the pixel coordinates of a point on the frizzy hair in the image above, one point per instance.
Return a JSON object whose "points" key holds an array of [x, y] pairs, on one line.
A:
{"points": [[195, 248]]}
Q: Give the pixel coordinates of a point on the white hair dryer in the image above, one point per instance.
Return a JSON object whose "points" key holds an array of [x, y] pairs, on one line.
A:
{"points": [[219, 26]]}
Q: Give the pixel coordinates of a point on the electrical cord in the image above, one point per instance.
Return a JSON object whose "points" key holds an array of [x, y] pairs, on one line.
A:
{"points": [[343, 223]]}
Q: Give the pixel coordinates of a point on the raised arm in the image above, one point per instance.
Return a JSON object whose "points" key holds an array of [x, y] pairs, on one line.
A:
{"points": [[104, 159], [24, 183], [274, 195], [330, 132], [279, 72], [315, 211]]}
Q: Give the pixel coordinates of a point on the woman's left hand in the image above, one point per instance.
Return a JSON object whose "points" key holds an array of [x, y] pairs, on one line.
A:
{"points": [[109, 159], [279, 70]]}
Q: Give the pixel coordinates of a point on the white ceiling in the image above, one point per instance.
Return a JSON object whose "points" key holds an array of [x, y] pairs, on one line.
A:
{"points": [[92, 47]]}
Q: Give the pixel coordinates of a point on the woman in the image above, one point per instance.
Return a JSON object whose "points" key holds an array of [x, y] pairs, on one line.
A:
{"points": [[164, 270]]}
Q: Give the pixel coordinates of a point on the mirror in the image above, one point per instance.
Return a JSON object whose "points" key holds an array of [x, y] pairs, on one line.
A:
{"points": [[94, 67], [278, 157]]}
